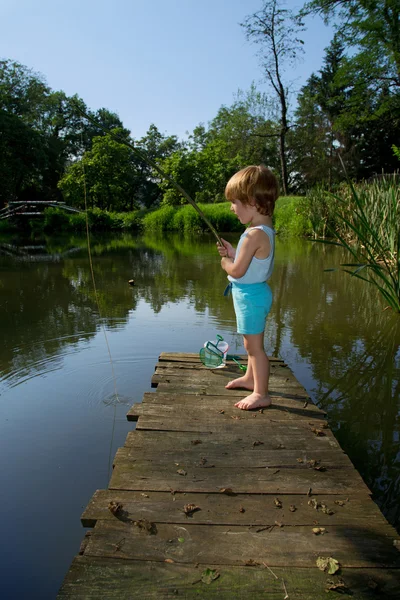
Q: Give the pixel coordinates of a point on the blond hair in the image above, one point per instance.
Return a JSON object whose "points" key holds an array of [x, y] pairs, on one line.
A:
{"points": [[254, 185]]}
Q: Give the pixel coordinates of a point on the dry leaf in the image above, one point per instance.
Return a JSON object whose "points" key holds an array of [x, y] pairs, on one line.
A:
{"points": [[313, 503], [319, 530], [278, 524], [242, 510], [147, 526], [326, 510], [299, 460], [320, 468], [209, 575], [169, 560], [292, 508], [318, 432], [115, 507], [227, 491], [145, 495], [221, 412], [340, 502], [257, 443], [189, 509], [182, 472], [277, 503], [280, 447], [329, 564], [251, 563], [309, 492], [337, 586]]}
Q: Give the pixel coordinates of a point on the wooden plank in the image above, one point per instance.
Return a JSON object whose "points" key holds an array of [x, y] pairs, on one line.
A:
{"points": [[270, 438], [235, 545], [111, 579], [174, 385], [282, 402], [137, 476], [194, 357], [249, 425], [214, 409], [221, 376], [244, 455], [248, 510]]}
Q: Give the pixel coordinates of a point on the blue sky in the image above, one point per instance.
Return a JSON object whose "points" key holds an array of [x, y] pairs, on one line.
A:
{"points": [[168, 62]]}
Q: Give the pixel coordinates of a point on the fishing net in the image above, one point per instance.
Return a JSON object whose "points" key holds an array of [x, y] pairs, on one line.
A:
{"points": [[211, 356]]}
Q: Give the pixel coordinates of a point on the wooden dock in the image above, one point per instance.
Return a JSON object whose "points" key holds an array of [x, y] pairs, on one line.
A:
{"points": [[207, 501]]}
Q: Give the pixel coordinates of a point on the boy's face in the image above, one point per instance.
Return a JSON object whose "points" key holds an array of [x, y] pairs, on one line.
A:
{"points": [[244, 212]]}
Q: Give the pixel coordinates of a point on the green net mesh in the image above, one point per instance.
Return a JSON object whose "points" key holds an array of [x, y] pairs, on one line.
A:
{"points": [[211, 356]]}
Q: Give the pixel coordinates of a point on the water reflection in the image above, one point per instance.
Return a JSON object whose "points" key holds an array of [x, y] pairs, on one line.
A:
{"points": [[331, 330]]}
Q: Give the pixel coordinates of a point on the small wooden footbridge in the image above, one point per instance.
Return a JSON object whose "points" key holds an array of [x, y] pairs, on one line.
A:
{"points": [[31, 208], [207, 501]]}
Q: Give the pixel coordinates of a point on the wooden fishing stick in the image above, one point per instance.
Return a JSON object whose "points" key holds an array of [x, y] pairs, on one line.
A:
{"points": [[145, 158]]}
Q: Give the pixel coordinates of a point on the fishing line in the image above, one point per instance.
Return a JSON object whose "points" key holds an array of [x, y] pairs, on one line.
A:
{"points": [[117, 400]]}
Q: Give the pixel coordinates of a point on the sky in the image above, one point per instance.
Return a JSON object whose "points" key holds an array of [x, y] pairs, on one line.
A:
{"points": [[173, 63]]}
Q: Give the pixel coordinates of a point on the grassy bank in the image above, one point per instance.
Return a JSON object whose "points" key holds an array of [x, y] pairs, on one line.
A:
{"points": [[180, 219]]}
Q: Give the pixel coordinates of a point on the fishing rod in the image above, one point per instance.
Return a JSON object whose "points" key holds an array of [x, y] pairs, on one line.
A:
{"points": [[143, 156]]}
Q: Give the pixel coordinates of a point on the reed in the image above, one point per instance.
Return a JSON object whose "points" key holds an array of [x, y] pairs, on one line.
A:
{"points": [[369, 228]]}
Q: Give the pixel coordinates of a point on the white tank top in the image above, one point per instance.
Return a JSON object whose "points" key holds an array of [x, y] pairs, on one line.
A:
{"points": [[260, 269]]}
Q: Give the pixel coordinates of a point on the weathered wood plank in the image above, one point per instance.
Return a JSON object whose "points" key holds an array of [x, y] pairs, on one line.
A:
{"points": [[270, 438], [111, 579], [246, 426], [164, 507], [245, 455], [209, 410], [221, 376], [235, 545], [174, 385], [194, 357], [128, 475]]}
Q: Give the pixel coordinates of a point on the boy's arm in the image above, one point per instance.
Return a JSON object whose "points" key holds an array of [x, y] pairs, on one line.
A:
{"points": [[249, 247]]}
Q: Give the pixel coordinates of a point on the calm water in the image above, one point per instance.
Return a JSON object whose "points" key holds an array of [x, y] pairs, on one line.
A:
{"points": [[61, 422]]}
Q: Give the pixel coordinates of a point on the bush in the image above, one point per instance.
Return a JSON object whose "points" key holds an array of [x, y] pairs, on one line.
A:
{"points": [[290, 219]]}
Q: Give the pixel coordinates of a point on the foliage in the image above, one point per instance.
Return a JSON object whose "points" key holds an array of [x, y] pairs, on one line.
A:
{"points": [[370, 230], [290, 219]]}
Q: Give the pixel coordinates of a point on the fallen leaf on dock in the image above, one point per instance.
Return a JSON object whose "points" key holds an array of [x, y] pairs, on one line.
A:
{"points": [[115, 507], [251, 563], [147, 526], [340, 502], [209, 575], [326, 510], [313, 503], [182, 472], [278, 524], [169, 560], [189, 509], [227, 491], [242, 510], [277, 503], [337, 586], [257, 443], [292, 508], [318, 432], [319, 530], [328, 564]]}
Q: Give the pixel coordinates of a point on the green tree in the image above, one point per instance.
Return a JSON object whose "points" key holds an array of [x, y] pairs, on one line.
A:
{"points": [[107, 171]]}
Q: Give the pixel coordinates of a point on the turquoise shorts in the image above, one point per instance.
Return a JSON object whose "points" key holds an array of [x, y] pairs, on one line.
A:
{"points": [[252, 303]]}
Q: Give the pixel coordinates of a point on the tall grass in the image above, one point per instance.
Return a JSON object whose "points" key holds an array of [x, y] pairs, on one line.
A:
{"points": [[368, 226], [185, 219]]}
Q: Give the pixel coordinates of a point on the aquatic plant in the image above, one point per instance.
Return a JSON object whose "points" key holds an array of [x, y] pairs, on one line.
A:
{"points": [[369, 218]]}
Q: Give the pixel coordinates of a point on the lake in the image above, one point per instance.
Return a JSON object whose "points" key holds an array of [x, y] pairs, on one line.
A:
{"points": [[73, 360]]}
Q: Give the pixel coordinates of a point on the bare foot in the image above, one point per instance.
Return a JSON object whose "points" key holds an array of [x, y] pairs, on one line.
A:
{"points": [[243, 383], [254, 401]]}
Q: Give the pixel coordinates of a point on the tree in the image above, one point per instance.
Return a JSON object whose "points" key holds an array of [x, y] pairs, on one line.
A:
{"points": [[276, 30], [108, 173]]}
